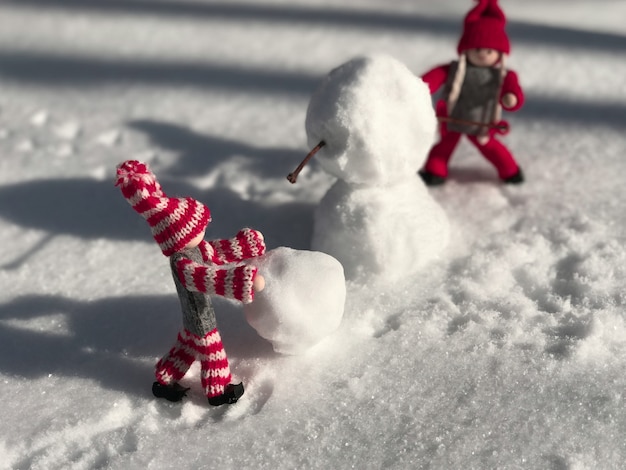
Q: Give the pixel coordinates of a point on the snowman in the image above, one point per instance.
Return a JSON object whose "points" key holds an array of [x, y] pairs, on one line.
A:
{"points": [[372, 123]]}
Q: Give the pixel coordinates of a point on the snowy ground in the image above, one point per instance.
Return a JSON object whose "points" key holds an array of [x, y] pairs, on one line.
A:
{"points": [[509, 352]]}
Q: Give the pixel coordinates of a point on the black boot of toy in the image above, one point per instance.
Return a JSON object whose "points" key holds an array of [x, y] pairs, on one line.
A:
{"points": [[172, 392], [517, 178], [430, 179], [232, 393]]}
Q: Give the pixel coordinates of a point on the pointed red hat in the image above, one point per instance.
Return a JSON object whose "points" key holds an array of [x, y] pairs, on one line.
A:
{"points": [[174, 221], [484, 28]]}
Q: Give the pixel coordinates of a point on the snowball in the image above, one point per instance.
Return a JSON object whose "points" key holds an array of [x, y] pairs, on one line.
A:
{"points": [[376, 118], [384, 232], [303, 299]]}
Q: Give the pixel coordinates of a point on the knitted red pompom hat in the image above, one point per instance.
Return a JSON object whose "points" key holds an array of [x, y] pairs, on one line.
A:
{"points": [[174, 221], [484, 28]]}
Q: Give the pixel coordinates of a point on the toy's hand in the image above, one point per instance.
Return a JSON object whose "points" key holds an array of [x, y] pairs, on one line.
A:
{"points": [[483, 139], [509, 100], [259, 283]]}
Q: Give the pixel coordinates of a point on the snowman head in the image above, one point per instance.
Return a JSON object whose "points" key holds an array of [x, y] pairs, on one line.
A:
{"points": [[376, 119]]}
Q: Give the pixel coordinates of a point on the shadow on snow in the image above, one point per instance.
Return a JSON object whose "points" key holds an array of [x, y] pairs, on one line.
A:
{"points": [[55, 70], [58, 70], [94, 209], [115, 341], [520, 31]]}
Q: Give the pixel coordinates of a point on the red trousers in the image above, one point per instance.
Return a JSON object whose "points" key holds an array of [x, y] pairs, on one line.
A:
{"points": [[492, 150]]}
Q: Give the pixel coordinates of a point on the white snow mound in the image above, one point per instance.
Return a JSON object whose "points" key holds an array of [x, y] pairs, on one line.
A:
{"points": [[303, 299]]}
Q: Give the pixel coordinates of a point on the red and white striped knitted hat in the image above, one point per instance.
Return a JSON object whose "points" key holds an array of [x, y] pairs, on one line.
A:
{"points": [[174, 221]]}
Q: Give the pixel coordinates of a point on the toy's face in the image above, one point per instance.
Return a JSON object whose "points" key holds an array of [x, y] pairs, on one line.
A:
{"points": [[483, 57], [195, 241]]}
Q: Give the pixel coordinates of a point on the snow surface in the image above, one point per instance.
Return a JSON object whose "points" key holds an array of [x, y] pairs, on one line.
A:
{"points": [[508, 352]]}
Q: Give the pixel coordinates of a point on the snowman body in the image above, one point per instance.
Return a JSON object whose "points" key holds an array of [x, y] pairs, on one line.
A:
{"points": [[378, 124]]}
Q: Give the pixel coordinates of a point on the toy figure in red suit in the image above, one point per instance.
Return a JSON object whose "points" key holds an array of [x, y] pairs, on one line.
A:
{"points": [[476, 88]]}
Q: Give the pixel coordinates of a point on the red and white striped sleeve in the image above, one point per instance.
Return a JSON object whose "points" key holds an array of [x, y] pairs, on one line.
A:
{"points": [[248, 243], [232, 282], [208, 253]]}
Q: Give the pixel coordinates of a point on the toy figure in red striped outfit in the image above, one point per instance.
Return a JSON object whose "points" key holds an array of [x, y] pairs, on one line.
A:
{"points": [[200, 268]]}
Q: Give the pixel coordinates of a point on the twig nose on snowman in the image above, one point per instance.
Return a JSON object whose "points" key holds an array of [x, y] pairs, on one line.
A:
{"points": [[292, 177]]}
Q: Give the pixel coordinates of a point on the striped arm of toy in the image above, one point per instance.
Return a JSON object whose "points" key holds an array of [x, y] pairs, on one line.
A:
{"points": [[248, 243], [232, 282]]}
